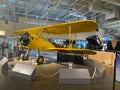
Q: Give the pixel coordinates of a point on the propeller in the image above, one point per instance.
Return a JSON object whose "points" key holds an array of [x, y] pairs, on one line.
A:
{"points": [[25, 39]]}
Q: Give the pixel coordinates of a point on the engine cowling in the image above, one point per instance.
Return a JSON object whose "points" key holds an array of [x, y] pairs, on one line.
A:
{"points": [[25, 39]]}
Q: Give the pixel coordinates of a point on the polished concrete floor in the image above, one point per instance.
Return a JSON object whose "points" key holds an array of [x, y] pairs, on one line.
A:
{"points": [[52, 83]]}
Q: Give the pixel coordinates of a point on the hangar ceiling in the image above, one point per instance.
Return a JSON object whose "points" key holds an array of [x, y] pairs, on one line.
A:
{"points": [[56, 10], [103, 11]]}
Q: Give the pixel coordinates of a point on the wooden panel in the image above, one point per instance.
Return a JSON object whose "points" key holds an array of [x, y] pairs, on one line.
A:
{"points": [[106, 57]]}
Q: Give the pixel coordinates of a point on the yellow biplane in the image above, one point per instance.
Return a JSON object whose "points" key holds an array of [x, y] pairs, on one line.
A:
{"points": [[32, 38]]}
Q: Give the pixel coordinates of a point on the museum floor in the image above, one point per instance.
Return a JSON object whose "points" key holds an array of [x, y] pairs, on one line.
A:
{"points": [[52, 83]]}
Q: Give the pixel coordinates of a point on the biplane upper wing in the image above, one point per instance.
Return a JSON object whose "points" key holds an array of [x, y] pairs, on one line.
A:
{"points": [[30, 30], [76, 27]]}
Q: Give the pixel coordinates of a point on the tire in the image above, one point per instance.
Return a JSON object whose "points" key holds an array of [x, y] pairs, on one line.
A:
{"points": [[40, 60]]}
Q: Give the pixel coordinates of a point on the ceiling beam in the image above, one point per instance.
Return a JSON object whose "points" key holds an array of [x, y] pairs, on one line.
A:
{"points": [[114, 24], [52, 7], [65, 11], [115, 2]]}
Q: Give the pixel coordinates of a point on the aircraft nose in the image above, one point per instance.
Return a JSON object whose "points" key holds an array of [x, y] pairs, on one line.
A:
{"points": [[24, 40]]}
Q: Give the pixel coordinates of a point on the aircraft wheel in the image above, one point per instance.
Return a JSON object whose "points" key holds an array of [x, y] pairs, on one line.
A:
{"points": [[40, 60], [25, 57]]}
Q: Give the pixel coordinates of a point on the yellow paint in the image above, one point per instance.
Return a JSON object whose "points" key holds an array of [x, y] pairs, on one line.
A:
{"points": [[22, 47], [69, 34], [38, 43], [40, 59], [20, 60], [77, 27], [35, 64], [74, 50]]}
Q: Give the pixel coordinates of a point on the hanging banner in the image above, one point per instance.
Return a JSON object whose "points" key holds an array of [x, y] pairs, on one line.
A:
{"points": [[117, 66]]}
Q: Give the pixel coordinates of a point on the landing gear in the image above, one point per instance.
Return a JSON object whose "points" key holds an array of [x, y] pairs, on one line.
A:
{"points": [[40, 60], [25, 57]]}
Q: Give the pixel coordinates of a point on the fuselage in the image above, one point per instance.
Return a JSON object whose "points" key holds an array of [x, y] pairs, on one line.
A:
{"points": [[38, 43]]}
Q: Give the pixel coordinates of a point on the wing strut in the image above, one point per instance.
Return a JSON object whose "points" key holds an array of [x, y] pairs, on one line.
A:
{"points": [[69, 38]]}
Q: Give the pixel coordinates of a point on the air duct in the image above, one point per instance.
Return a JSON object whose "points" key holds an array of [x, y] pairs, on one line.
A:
{"points": [[109, 14]]}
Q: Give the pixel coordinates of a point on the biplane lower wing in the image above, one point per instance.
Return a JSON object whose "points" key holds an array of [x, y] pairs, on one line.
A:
{"points": [[73, 50], [22, 47]]}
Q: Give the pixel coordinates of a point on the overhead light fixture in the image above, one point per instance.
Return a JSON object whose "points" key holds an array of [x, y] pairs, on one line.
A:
{"points": [[2, 32]]}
